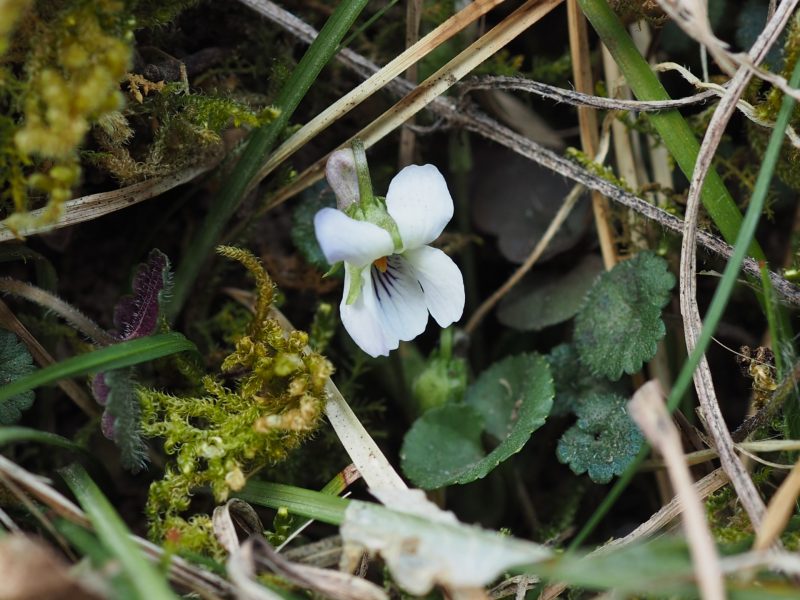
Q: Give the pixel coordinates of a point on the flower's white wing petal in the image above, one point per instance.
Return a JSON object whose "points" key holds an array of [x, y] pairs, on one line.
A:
{"points": [[441, 283], [363, 321], [391, 307], [420, 204], [400, 298], [355, 242]]}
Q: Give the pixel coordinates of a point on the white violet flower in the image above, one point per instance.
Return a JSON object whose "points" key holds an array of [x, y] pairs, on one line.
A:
{"points": [[393, 278]]}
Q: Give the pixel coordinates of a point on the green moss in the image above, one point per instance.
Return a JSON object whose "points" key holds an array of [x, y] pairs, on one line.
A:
{"points": [[219, 438]]}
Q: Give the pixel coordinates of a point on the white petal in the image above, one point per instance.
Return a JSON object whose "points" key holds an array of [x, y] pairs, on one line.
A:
{"points": [[362, 319], [400, 298], [391, 307], [355, 242], [441, 283], [420, 204]]}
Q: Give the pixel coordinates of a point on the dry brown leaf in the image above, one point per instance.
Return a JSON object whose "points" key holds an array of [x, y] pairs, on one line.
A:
{"points": [[30, 570]]}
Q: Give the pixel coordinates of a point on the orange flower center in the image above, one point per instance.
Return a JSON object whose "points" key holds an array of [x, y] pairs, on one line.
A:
{"points": [[381, 263]]}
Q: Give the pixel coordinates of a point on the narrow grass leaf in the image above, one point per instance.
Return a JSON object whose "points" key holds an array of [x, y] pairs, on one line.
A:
{"points": [[299, 501], [120, 355], [114, 534]]}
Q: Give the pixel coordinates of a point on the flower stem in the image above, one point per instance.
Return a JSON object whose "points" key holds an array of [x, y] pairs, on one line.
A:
{"points": [[362, 172]]}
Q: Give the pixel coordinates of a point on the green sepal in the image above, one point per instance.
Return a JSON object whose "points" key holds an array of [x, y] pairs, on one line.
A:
{"points": [[355, 283]]}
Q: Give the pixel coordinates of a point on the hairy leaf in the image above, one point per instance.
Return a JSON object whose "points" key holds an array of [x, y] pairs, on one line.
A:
{"points": [[573, 381], [509, 401], [122, 418], [619, 324], [15, 362], [137, 315], [540, 301], [604, 441]]}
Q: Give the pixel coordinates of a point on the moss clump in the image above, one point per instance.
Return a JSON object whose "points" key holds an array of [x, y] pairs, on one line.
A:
{"points": [[223, 436], [75, 55]]}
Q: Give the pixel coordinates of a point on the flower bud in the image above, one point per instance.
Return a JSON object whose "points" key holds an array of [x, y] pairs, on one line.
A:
{"points": [[340, 171]]}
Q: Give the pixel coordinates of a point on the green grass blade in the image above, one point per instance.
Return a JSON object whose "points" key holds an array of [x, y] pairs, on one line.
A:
{"points": [[149, 584], [299, 501], [721, 295], [261, 142], [9, 435], [117, 356]]}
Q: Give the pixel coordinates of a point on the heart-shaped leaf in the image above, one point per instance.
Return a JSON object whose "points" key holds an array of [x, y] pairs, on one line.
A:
{"points": [[509, 401]]}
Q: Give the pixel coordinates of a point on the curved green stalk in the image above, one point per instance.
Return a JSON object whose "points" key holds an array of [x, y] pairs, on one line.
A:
{"points": [[260, 144]]}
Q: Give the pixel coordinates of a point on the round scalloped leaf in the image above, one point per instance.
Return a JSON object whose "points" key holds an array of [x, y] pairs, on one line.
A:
{"points": [[15, 362], [509, 401], [619, 324], [604, 441]]}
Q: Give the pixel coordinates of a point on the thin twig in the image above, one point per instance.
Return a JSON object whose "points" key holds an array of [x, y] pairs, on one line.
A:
{"points": [[740, 478], [43, 358], [648, 410], [576, 98], [551, 231], [587, 119], [376, 77], [658, 521], [180, 571], [408, 138], [87, 208]]}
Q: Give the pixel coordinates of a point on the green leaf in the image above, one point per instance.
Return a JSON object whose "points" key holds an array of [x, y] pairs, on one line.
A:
{"points": [[15, 364], [9, 435], [604, 441], [540, 301], [321, 506], [573, 381], [117, 356], [619, 324], [303, 235], [124, 411], [509, 401], [115, 536]]}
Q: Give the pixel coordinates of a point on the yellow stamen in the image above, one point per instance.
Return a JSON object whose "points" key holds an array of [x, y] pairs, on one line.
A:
{"points": [[381, 263]]}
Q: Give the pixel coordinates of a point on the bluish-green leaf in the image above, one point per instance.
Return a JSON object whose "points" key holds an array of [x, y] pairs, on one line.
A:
{"points": [[604, 441], [509, 401], [573, 381], [15, 364], [619, 324]]}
